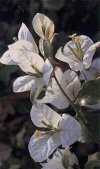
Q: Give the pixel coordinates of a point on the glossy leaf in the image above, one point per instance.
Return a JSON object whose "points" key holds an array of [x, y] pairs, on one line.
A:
{"points": [[89, 93]]}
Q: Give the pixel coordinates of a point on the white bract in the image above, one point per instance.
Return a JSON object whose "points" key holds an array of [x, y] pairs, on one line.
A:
{"points": [[69, 83], [25, 40], [38, 70], [56, 161], [58, 130], [93, 72], [43, 26], [78, 53]]}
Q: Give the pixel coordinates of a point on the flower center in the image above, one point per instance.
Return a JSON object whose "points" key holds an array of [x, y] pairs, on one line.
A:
{"points": [[38, 74], [78, 53], [49, 130]]}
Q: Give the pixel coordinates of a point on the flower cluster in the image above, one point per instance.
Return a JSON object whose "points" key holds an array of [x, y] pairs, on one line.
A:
{"points": [[43, 72]]}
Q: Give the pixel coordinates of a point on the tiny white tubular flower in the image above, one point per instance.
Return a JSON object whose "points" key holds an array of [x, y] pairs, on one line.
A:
{"points": [[43, 26], [24, 37], [38, 70], [69, 83], [56, 161], [78, 52], [58, 130]]}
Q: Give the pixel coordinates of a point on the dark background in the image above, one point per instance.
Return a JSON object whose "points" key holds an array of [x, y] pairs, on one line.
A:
{"points": [[69, 16]]}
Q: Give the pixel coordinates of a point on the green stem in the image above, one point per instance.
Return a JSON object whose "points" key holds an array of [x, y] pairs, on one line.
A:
{"points": [[64, 93], [77, 110]]}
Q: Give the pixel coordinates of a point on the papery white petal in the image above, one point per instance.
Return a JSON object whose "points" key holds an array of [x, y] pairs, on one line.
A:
{"points": [[58, 101], [96, 64], [26, 83], [59, 55], [6, 59], [95, 68], [47, 70], [86, 42], [73, 84], [26, 59], [89, 54], [61, 80], [22, 45], [55, 162], [40, 149], [77, 66], [42, 113], [67, 55], [70, 130], [69, 82], [88, 74], [41, 22], [41, 46], [24, 34], [88, 57]]}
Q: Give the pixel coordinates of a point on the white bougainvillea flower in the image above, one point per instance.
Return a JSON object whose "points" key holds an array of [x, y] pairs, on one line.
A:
{"points": [[58, 130], [93, 72], [24, 36], [70, 84], [43, 26], [78, 53], [38, 70], [56, 161]]}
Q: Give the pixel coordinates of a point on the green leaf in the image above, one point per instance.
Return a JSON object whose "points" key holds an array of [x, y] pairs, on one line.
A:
{"points": [[47, 47], [93, 161], [36, 94], [6, 72], [93, 122], [89, 93]]}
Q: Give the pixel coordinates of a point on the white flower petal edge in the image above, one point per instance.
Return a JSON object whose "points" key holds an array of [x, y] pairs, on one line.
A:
{"points": [[47, 70], [41, 112], [43, 26], [38, 71], [27, 83], [56, 161], [24, 34], [6, 59], [70, 84], [26, 59], [41, 46], [40, 149], [72, 128], [74, 62], [56, 100], [93, 72], [41, 146]]}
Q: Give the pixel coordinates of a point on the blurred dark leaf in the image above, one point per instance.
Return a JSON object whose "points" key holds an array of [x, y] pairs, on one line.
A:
{"points": [[53, 4], [89, 93], [93, 161], [6, 72], [93, 122]]}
